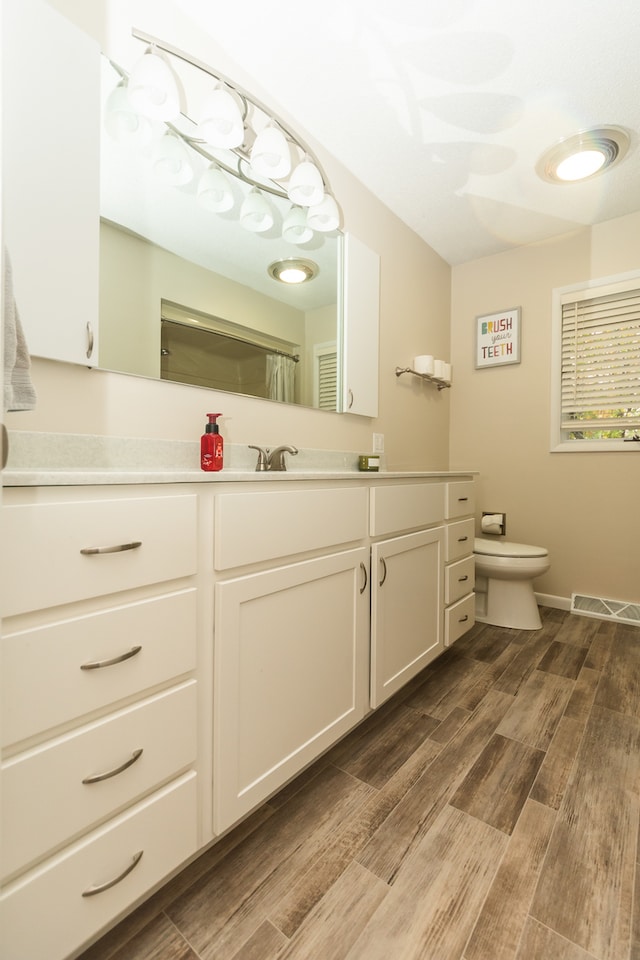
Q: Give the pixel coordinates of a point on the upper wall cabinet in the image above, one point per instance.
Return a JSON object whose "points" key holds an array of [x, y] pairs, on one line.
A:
{"points": [[361, 326], [50, 143]]}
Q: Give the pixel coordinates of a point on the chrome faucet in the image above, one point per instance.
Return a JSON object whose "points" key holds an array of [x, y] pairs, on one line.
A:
{"points": [[274, 459]]}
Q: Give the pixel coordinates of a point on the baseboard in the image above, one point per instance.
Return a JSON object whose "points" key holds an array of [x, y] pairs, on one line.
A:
{"points": [[558, 603]]}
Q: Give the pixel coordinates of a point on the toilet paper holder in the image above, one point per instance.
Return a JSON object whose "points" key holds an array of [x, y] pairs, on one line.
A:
{"points": [[494, 524]]}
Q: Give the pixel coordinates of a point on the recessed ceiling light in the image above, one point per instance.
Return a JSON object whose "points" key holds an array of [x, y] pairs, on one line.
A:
{"points": [[293, 270], [584, 155]]}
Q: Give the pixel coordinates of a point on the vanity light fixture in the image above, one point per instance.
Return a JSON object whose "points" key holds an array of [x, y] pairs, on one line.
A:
{"points": [[221, 123], [584, 155], [152, 87], [255, 213], [171, 161], [295, 228], [214, 190], [235, 134], [293, 270]]}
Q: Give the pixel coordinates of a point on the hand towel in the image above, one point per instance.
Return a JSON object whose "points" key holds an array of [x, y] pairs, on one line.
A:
{"points": [[19, 393]]}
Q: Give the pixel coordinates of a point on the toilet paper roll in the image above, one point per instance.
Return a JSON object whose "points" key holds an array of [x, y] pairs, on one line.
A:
{"points": [[439, 369], [423, 364], [492, 523]]}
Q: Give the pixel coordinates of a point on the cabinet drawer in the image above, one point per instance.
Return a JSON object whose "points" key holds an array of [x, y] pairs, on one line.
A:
{"points": [[405, 507], [126, 755], [458, 579], [459, 539], [45, 685], [46, 565], [460, 499], [253, 527], [45, 916], [459, 618]]}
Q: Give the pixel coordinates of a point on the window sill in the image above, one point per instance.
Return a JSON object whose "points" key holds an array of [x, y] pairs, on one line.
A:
{"points": [[595, 446]]}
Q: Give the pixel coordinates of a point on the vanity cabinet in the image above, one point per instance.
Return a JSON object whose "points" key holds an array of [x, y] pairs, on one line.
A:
{"points": [[291, 670], [406, 583], [173, 654], [99, 707]]}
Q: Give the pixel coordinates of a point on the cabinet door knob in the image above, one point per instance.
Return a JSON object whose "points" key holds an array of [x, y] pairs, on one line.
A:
{"points": [[98, 777], [101, 887], [384, 571], [97, 664]]}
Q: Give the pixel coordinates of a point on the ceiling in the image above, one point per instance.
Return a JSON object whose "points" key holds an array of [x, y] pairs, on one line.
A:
{"points": [[443, 107]]}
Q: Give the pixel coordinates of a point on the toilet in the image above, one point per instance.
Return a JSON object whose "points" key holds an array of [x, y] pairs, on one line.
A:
{"points": [[504, 582]]}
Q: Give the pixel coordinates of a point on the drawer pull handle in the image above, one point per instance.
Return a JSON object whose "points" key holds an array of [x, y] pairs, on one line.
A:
{"points": [[366, 578], [97, 664], [97, 777], [92, 551], [462, 539], [100, 888], [463, 619], [462, 579], [462, 499], [384, 571]]}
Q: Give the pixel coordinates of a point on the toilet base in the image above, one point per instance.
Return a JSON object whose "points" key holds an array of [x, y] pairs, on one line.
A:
{"points": [[508, 603]]}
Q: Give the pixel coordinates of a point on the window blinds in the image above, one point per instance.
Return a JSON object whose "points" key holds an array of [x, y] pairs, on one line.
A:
{"points": [[601, 361]]}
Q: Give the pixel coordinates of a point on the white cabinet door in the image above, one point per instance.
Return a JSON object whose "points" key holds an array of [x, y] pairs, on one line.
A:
{"points": [[361, 323], [50, 177], [407, 600], [291, 673]]}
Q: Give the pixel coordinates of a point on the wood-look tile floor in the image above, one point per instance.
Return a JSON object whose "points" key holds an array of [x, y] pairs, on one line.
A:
{"points": [[489, 811]]}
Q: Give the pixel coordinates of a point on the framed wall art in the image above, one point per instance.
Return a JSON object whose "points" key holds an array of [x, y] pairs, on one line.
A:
{"points": [[498, 338]]}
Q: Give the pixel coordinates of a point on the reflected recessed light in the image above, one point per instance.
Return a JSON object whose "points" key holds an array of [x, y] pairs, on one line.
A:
{"points": [[584, 155], [293, 270]]}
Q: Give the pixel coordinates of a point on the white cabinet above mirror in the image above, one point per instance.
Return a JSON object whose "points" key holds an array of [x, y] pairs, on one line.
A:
{"points": [[98, 244]]}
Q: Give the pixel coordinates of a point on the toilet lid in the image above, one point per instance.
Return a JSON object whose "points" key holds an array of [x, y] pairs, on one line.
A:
{"points": [[503, 548]]}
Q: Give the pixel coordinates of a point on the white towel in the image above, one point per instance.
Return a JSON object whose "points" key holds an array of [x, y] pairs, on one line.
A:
{"points": [[19, 393]]}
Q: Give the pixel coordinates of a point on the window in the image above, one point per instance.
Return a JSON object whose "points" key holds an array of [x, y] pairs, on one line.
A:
{"points": [[596, 402]]}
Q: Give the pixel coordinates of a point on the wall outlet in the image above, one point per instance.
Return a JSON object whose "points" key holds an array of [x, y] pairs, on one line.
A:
{"points": [[378, 443]]}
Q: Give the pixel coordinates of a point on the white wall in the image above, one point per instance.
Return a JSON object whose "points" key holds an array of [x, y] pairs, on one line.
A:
{"points": [[582, 506]]}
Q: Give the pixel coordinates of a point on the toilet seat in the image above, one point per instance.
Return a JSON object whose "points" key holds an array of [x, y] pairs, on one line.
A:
{"points": [[504, 548]]}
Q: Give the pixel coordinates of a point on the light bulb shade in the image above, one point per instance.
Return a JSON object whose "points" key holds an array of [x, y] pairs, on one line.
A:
{"points": [[214, 190], [122, 122], [295, 228], [171, 162], [270, 154], [305, 185], [325, 216], [153, 88], [221, 123], [255, 213]]}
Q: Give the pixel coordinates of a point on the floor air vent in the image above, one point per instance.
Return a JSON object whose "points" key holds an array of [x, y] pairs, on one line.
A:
{"points": [[605, 609]]}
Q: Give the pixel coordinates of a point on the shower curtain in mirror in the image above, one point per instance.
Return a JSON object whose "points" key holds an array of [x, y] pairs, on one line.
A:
{"points": [[280, 377]]}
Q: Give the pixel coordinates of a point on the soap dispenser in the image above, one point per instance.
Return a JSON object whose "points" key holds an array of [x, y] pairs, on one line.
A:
{"points": [[211, 445]]}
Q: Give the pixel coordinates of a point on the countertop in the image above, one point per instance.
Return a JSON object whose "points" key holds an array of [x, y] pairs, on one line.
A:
{"points": [[43, 459]]}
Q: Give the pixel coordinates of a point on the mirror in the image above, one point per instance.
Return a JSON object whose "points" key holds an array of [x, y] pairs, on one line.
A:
{"points": [[151, 260], [185, 293]]}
